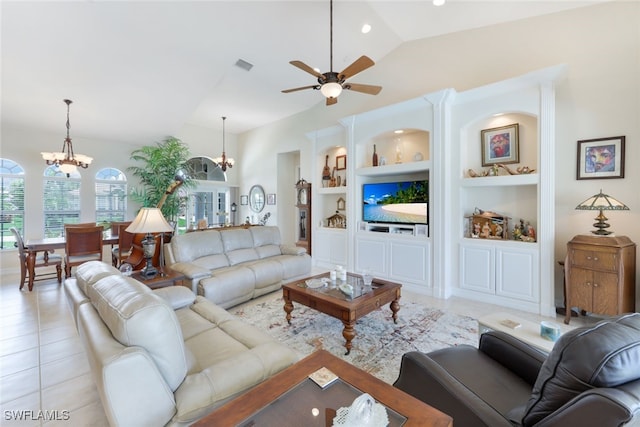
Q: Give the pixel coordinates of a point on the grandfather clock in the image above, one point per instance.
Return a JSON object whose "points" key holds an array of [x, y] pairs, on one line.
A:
{"points": [[303, 205]]}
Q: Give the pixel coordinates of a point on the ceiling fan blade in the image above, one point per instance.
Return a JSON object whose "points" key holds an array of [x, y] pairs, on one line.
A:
{"points": [[331, 101], [357, 66], [300, 88], [305, 67], [369, 89]]}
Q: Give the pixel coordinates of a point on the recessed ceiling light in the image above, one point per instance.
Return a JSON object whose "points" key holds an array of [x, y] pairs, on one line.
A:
{"points": [[366, 28], [438, 2], [398, 131]]}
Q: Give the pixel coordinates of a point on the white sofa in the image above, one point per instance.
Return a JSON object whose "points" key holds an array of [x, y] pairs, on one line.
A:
{"points": [[165, 357], [231, 266]]}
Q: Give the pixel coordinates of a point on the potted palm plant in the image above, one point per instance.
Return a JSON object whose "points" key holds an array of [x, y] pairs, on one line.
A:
{"points": [[158, 165]]}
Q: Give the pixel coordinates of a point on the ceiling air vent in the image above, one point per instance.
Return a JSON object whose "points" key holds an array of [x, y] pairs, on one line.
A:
{"points": [[244, 65]]}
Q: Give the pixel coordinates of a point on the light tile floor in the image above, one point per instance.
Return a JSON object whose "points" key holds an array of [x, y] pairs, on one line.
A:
{"points": [[44, 372]]}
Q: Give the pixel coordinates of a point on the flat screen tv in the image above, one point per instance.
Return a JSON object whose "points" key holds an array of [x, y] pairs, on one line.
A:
{"points": [[403, 202]]}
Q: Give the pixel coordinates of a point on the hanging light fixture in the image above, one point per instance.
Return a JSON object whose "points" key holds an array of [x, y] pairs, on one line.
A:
{"points": [[222, 161], [66, 159]]}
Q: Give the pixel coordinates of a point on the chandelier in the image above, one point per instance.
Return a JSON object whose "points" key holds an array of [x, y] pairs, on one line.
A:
{"points": [[222, 161], [66, 159]]}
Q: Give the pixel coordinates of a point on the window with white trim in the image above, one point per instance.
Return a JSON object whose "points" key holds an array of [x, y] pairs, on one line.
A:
{"points": [[11, 202], [61, 200], [111, 195]]}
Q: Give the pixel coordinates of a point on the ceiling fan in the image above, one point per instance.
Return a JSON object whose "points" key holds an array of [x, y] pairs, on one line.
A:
{"points": [[331, 83]]}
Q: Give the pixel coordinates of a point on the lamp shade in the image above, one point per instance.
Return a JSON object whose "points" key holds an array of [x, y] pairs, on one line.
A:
{"points": [[602, 202], [149, 220]]}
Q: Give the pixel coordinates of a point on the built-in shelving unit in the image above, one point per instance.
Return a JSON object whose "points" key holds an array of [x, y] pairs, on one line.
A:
{"points": [[510, 272], [441, 143]]}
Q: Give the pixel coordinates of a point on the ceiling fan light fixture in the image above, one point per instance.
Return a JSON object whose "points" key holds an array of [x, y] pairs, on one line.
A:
{"points": [[331, 89]]}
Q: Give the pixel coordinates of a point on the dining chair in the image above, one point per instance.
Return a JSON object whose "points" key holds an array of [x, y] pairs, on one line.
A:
{"points": [[82, 244], [122, 251], [42, 260]]}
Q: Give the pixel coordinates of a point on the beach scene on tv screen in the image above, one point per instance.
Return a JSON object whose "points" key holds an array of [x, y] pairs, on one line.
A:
{"points": [[397, 202]]}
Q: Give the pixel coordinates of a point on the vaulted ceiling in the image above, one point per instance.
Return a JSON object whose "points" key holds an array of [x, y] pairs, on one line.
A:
{"points": [[141, 70]]}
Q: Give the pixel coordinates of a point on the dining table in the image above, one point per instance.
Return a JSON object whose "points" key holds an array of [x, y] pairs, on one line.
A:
{"points": [[33, 246]]}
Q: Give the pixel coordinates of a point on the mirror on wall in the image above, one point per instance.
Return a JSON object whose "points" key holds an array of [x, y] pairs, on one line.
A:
{"points": [[256, 198]]}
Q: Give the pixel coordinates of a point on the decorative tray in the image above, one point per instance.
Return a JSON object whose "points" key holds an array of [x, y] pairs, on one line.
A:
{"points": [[316, 283]]}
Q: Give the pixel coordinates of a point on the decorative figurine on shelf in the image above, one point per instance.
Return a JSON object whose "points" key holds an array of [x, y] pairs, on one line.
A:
{"points": [[486, 231], [524, 232], [332, 180], [476, 230], [531, 233], [487, 225], [326, 172]]}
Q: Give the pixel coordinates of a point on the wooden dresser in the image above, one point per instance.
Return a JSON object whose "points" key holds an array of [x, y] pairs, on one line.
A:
{"points": [[600, 275]]}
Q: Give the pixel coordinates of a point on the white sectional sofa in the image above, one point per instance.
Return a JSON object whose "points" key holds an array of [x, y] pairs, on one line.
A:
{"points": [[231, 266], [165, 357]]}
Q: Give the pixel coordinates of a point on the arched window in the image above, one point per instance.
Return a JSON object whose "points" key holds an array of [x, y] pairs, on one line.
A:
{"points": [[61, 200], [12, 202], [111, 195]]}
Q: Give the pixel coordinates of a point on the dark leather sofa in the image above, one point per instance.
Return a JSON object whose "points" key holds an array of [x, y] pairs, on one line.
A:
{"points": [[590, 378]]}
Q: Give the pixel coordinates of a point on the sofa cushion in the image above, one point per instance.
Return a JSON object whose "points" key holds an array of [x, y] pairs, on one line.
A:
{"points": [[240, 256], [266, 272], [191, 246], [228, 286], [236, 239], [267, 251], [266, 235], [601, 355], [293, 265], [90, 272], [136, 316]]}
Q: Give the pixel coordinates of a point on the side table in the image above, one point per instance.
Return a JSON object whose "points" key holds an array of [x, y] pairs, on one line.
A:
{"points": [[167, 277]]}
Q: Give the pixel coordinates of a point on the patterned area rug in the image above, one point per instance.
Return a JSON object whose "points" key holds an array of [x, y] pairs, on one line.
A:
{"points": [[379, 343]]}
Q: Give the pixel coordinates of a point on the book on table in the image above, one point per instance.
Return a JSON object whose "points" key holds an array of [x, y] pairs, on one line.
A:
{"points": [[323, 377]]}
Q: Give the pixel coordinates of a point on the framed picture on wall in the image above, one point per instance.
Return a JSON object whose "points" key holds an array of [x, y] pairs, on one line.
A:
{"points": [[500, 145], [244, 199], [341, 162], [601, 158], [271, 199]]}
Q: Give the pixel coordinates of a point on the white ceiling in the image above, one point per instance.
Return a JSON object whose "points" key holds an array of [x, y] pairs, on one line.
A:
{"points": [[141, 70]]}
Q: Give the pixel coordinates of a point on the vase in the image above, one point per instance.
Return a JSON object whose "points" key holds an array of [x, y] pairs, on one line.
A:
{"points": [[374, 159]]}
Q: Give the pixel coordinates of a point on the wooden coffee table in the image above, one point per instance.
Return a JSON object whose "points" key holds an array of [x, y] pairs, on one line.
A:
{"points": [[333, 302], [290, 397]]}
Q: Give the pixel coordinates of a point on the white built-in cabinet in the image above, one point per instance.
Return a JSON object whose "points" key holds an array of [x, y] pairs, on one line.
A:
{"points": [[441, 142], [330, 246]]}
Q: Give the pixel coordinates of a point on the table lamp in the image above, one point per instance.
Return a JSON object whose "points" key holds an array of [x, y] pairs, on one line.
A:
{"points": [[601, 202], [149, 220]]}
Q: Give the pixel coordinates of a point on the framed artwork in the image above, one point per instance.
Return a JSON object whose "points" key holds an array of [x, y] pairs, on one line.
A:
{"points": [[500, 145], [601, 158], [244, 200], [271, 199], [341, 162]]}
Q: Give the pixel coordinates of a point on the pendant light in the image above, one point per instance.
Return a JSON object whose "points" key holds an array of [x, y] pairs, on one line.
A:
{"points": [[66, 159], [222, 161]]}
